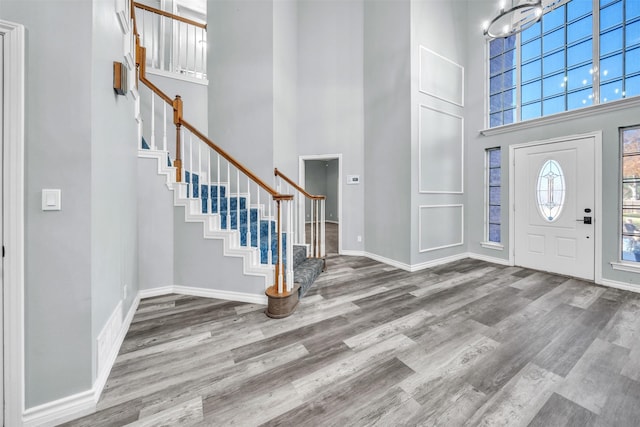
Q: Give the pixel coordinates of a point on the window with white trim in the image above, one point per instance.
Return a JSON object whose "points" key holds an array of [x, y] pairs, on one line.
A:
{"points": [[565, 62], [630, 149], [493, 198]]}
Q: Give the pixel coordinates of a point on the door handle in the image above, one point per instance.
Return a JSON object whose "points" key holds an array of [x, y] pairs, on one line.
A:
{"points": [[585, 220]]}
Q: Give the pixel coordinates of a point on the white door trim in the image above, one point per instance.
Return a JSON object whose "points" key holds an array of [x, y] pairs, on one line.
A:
{"points": [[301, 178], [597, 136], [13, 221]]}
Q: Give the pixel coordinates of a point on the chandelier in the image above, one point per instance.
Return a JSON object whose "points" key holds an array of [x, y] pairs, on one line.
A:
{"points": [[516, 16]]}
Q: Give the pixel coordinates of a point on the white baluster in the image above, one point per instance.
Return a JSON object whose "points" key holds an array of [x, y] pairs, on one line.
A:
{"points": [[164, 127], [238, 200], [259, 231], [153, 41], [317, 251], [153, 121], [209, 198], [161, 41], [199, 168], [186, 50], [248, 212], [182, 149], [228, 196], [312, 229], [269, 251], [190, 167], [218, 191], [195, 50], [323, 253], [289, 205], [179, 60], [203, 44]]}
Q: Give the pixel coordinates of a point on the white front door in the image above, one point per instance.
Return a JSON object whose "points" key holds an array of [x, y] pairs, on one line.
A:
{"points": [[554, 207]]}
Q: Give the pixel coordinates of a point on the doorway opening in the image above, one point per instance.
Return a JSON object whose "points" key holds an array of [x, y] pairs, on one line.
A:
{"points": [[322, 175]]}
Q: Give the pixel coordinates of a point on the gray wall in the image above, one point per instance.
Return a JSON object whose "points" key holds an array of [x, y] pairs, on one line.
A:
{"points": [[387, 129], [435, 25], [76, 259], [330, 98], [240, 69], [114, 242], [285, 75], [155, 227]]}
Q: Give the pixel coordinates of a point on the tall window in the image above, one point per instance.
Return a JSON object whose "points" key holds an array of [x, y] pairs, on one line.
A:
{"points": [[493, 195], [502, 81], [558, 59], [630, 140]]}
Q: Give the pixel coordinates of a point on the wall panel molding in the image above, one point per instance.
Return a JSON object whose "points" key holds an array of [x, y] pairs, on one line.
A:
{"points": [[440, 226], [441, 77], [440, 151]]}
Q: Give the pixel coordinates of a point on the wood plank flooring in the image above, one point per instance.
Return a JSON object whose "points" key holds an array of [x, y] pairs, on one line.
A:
{"points": [[467, 343]]}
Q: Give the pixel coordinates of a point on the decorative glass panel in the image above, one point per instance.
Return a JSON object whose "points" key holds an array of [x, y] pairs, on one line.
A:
{"points": [[550, 190]]}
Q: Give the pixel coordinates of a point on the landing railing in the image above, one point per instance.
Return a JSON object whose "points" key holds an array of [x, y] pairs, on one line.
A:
{"points": [[174, 44], [216, 185], [316, 215]]}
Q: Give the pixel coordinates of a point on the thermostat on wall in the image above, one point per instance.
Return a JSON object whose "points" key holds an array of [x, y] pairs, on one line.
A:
{"points": [[353, 179]]}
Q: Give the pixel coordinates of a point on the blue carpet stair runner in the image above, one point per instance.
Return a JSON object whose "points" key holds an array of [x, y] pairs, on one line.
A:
{"points": [[305, 270]]}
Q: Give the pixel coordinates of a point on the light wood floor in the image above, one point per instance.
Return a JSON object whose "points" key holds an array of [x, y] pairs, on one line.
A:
{"points": [[468, 343]]}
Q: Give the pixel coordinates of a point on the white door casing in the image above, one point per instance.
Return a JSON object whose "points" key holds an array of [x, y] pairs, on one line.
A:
{"points": [[1, 226], [562, 243], [13, 71]]}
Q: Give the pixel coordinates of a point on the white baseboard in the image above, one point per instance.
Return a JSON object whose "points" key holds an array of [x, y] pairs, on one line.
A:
{"points": [[621, 285], [490, 259], [388, 261], [352, 253], [205, 293], [439, 261], [61, 410], [110, 358]]}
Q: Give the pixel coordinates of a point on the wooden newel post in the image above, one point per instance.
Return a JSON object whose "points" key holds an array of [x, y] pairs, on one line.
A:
{"points": [[177, 120], [281, 302]]}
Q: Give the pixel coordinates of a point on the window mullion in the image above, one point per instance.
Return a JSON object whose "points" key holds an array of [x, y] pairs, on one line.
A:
{"points": [[518, 53], [596, 52]]}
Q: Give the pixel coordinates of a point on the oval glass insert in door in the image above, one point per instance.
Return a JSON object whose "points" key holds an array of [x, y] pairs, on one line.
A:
{"points": [[550, 190]]}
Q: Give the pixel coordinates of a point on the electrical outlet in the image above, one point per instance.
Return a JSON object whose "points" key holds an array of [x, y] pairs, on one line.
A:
{"points": [[359, 239]]}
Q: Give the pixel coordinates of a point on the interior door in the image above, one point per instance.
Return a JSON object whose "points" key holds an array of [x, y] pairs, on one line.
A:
{"points": [[554, 207]]}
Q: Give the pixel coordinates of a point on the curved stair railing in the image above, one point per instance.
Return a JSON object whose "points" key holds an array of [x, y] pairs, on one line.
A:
{"points": [[214, 184], [316, 214]]}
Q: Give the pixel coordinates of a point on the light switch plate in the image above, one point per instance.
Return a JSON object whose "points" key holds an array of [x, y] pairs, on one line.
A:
{"points": [[51, 199], [353, 179]]}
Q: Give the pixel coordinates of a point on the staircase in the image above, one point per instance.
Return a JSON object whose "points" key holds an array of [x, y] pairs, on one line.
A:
{"points": [[263, 225]]}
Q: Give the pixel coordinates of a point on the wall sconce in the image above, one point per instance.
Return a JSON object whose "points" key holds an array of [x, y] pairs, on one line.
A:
{"points": [[119, 78]]}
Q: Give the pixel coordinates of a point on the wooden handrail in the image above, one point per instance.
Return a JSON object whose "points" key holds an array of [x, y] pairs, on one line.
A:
{"points": [[234, 162], [297, 187], [169, 15]]}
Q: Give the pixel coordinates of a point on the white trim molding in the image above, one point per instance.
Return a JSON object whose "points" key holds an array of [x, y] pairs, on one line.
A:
{"points": [[441, 79], [620, 285], [422, 249], [13, 219], [421, 150], [206, 293]]}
